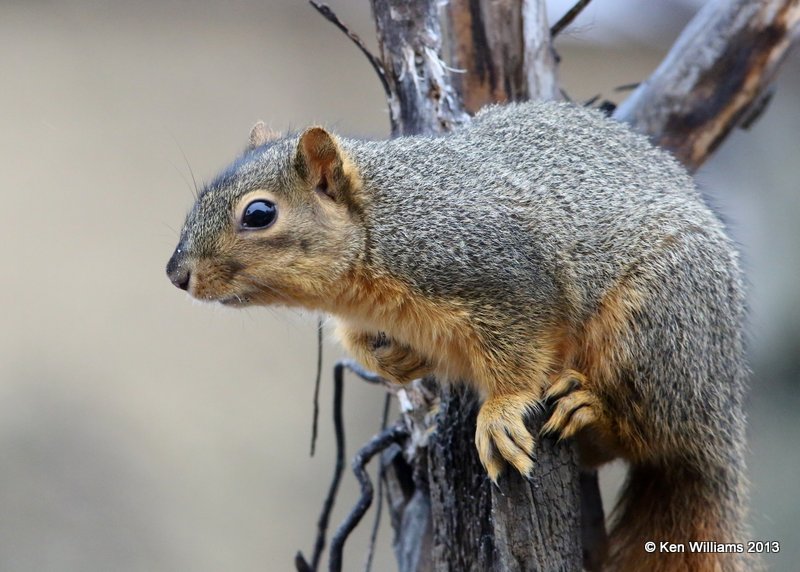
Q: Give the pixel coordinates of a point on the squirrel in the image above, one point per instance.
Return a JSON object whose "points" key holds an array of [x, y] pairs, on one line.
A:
{"points": [[544, 254]]}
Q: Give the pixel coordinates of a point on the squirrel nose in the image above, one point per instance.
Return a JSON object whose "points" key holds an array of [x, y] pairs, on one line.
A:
{"points": [[180, 277], [178, 271]]}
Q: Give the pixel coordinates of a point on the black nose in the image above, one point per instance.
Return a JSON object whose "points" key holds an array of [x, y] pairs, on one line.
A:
{"points": [[177, 272], [180, 278]]}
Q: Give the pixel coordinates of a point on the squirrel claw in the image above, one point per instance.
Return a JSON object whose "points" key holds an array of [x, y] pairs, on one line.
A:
{"points": [[572, 407], [566, 383], [502, 436]]}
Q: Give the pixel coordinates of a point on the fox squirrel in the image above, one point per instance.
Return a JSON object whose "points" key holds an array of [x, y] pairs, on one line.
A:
{"points": [[544, 255]]}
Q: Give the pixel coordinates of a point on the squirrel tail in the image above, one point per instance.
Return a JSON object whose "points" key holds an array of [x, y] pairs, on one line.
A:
{"points": [[694, 521]]}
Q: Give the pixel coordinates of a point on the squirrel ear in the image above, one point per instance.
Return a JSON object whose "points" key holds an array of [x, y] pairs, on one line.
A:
{"points": [[261, 134], [320, 162]]}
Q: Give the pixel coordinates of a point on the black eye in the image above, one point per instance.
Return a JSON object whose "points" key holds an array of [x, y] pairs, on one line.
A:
{"points": [[259, 214]]}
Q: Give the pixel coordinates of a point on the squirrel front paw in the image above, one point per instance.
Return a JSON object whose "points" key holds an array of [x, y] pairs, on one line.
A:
{"points": [[573, 406], [399, 362], [502, 435], [387, 357]]}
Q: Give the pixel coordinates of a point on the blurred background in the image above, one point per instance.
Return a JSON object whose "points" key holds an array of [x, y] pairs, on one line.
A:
{"points": [[141, 431]]}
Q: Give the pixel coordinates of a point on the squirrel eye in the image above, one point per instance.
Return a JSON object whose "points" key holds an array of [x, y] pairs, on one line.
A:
{"points": [[259, 214]]}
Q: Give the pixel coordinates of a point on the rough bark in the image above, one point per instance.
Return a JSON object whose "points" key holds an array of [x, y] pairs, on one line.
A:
{"points": [[717, 71], [448, 517], [487, 49], [522, 525], [421, 98], [501, 51], [540, 59]]}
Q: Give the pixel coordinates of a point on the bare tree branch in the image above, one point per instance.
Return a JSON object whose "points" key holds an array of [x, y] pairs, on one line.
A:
{"points": [[501, 49], [540, 59], [567, 18], [377, 444], [331, 16], [488, 50], [317, 383], [721, 64], [422, 99], [524, 525], [301, 564], [376, 523]]}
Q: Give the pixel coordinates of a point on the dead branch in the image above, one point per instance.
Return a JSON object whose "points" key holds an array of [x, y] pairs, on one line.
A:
{"points": [[540, 59], [301, 564], [422, 99], [376, 523], [501, 50], [487, 49], [721, 64], [526, 524], [375, 445], [331, 16], [317, 383], [567, 18]]}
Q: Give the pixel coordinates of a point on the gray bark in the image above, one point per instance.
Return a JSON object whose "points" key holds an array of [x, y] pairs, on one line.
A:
{"points": [[714, 77], [501, 50], [422, 99], [446, 514]]}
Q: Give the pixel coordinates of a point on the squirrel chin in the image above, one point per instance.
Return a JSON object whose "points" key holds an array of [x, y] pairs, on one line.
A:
{"points": [[235, 301]]}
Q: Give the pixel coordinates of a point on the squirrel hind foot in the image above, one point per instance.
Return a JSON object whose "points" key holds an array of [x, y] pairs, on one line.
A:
{"points": [[572, 407]]}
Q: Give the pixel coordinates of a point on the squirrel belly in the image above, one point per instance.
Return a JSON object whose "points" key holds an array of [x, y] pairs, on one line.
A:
{"points": [[544, 254]]}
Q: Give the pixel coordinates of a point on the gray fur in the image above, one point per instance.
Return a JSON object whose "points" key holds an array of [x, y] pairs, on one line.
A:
{"points": [[537, 211]]}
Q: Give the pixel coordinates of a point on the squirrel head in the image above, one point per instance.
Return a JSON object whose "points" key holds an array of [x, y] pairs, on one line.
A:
{"points": [[282, 225]]}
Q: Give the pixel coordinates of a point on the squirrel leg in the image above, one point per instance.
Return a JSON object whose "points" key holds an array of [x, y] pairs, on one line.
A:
{"points": [[399, 362], [576, 411], [501, 434], [388, 358], [573, 406]]}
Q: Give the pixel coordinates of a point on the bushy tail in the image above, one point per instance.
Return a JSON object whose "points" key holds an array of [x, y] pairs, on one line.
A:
{"points": [[678, 510]]}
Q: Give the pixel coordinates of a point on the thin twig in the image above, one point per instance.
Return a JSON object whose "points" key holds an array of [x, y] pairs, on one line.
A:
{"points": [[757, 108], [374, 446], [301, 564], [324, 518], [378, 509], [331, 16], [567, 18], [338, 427], [362, 373], [315, 417], [591, 101], [628, 86]]}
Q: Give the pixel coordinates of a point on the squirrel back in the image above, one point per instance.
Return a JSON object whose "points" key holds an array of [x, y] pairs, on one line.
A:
{"points": [[532, 196], [546, 255]]}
